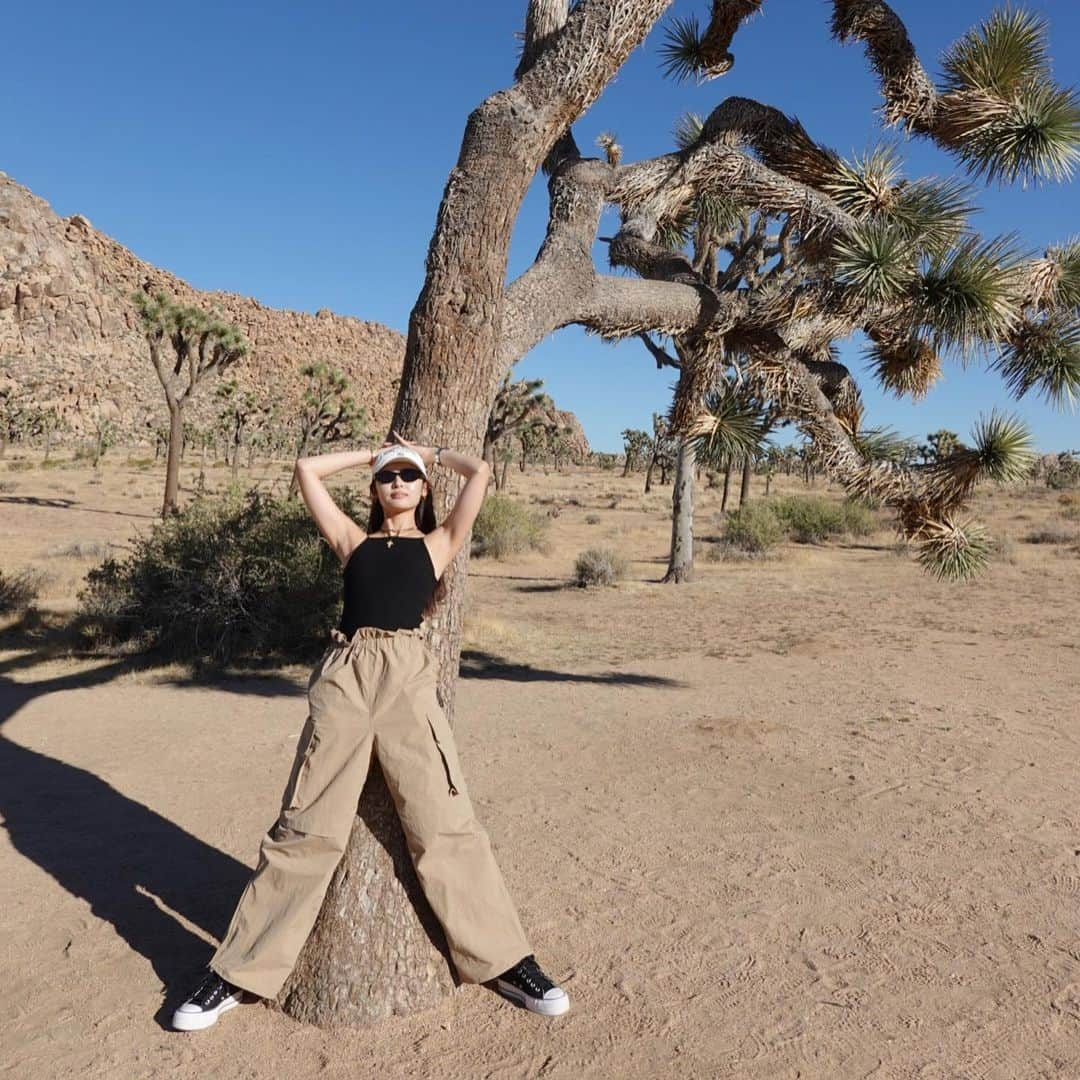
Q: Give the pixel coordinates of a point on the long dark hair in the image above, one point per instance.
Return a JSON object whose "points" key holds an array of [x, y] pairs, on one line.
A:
{"points": [[424, 518]]}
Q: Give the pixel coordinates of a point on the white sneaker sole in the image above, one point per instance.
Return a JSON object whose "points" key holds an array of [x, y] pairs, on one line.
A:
{"points": [[546, 1007], [196, 1021]]}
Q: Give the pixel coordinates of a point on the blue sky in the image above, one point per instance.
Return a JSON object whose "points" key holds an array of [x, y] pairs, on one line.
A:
{"points": [[297, 153]]}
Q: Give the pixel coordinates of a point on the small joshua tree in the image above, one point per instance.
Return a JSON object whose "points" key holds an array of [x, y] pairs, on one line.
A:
{"points": [[202, 345], [328, 412]]}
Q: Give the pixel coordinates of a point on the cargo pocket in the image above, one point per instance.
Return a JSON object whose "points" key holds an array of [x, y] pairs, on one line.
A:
{"points": [[294, 789], [442, 754]]}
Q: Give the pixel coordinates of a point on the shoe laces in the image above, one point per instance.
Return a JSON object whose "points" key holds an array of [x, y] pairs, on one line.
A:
{"points": [[211, 991], [528, 972]]}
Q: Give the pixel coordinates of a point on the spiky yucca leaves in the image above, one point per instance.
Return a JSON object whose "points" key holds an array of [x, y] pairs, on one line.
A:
{"points": [[1001, 113], [875, 264], [968, 296], [1002, 451], [953, 551], [882, 444], [1044, 354], [903, 364], [689, 52], [681, 52], [730, 427], [999, 56], [1064, 290]]}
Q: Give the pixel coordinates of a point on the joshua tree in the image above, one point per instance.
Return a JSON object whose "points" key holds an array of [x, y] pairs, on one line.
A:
{"points": [[236, 410], [662, 449], [105, 435], [329, 413], [997, 111], [203, 345], [635, 446], [940, 446], [518, 405]]}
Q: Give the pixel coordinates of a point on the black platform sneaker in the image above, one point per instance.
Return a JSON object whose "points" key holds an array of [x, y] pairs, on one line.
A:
{"points": [[526, 984], [207, 1002]]}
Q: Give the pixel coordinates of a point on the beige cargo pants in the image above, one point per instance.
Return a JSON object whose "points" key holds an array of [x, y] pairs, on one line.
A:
{"points": [[374, 692]]}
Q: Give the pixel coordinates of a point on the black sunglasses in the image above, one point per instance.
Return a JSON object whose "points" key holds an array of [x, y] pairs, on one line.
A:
{"points": [[386, 476]]}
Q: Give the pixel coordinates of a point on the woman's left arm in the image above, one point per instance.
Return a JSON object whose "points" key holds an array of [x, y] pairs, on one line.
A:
{"points": [[446, 539], [460, 520]]}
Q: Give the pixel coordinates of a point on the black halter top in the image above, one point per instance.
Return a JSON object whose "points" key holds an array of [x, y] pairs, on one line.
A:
{"points": [[387, 585]]}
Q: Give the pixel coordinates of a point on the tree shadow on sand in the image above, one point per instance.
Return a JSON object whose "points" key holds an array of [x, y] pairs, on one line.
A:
{"points": [[477, 664], [137, 870], [142, 873]]}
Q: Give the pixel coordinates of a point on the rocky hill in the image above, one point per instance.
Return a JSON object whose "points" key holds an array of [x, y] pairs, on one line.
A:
{"points": [[68, 329]]}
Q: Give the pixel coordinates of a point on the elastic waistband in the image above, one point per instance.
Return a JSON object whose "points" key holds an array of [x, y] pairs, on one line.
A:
{"points": [[364, 632]]}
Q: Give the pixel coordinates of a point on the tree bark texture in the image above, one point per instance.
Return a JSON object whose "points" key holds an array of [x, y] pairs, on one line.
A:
{"points": [[453, 367], [172, 461], [681, 559]]}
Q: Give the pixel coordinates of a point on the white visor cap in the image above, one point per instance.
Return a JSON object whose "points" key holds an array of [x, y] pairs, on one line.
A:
{"points": [[398, 453]]}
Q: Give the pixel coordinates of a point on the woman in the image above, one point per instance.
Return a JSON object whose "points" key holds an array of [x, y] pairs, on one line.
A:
{"points": [[373, 691]]}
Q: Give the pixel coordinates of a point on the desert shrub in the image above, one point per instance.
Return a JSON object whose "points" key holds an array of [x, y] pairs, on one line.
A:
{"points": [[242, 576], [8, 485], [20, 465], [858, 518], [599, 566], [504, 527], [1070, 505], [809, 519], [725, 551], [80, 549], [19, 590], [53, 463], [592, 519], [753, 527], [1051, 536]]}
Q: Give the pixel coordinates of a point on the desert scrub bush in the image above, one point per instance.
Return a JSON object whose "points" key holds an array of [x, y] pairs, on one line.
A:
{"points": [[1051, 536], [505, 527], [725, 551], [599, 566], [809, 519], [753, 527], [18, 591], [8, 485], [230, 578], [19, 465], [592, 519], [1069, 502], [80, 549]]}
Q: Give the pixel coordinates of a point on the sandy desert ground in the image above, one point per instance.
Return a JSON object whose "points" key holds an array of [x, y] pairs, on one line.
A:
{"points": [[810, 817]]}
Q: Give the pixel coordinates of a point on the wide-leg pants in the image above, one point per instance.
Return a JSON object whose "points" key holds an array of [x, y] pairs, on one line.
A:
{"points": [[372, 693]]}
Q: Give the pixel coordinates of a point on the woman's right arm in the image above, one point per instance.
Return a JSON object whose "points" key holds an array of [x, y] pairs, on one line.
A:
{"points": [[341, 532]]}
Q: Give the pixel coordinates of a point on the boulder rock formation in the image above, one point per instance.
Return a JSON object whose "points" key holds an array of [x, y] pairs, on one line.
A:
{"points": [[69, 334]]}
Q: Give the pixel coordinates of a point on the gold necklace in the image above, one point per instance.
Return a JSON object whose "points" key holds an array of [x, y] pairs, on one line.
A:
{"points": [[390, 535]]}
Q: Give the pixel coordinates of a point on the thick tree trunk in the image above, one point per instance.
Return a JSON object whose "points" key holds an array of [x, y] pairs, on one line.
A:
{"points": [[648, 475], [727, 486], [681, 559], [172, 460], [744, 488], [377, 956], [506, 465], [381, 957]]}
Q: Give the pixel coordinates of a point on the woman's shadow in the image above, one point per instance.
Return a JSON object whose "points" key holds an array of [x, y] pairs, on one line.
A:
{"points": [[135, 868]]}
